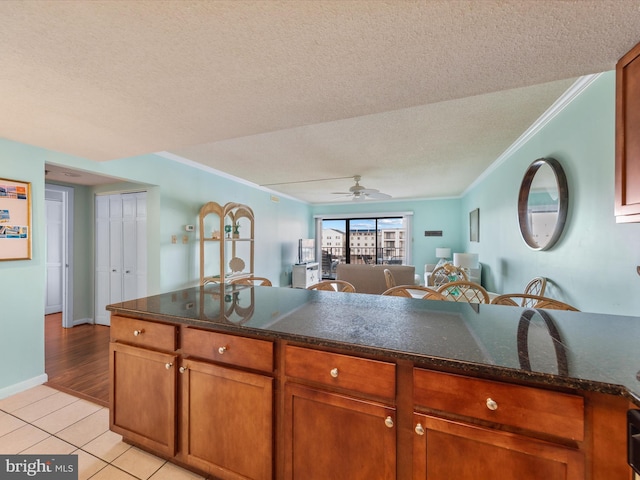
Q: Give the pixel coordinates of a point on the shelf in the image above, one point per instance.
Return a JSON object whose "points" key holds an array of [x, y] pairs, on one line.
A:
{"points": [[215, 259]]}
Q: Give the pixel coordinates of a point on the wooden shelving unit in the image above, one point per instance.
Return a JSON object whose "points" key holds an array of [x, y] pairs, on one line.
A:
{"points": [[225, 254]]}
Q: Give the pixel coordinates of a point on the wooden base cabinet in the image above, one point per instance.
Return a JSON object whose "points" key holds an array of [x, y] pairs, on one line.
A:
{"points": [[332, 427], [226, 421], [445, 449], [143, 396], [332, 436], [225, 424]]}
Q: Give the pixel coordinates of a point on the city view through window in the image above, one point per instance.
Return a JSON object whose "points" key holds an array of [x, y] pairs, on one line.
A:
{"points": [[362, 240]]}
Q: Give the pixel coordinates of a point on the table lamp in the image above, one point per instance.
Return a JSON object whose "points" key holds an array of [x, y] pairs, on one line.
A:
{"points": [[466, 261], [443, 254]]}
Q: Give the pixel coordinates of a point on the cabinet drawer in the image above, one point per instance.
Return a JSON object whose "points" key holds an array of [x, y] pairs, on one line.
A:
{"points": [[228, 349], [534, 409], [353, 373], [143, 333]]}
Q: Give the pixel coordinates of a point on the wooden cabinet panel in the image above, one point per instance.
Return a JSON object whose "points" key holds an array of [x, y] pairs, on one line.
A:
{"points": [[331, 436], [158, 336], [627, 202], [449, 450], [143, 396], [360, 375], [227, 421], [229, 349], [534, 409]]}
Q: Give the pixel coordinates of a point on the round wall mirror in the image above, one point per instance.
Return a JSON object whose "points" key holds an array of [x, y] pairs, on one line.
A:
{"points": [[543, 203]]}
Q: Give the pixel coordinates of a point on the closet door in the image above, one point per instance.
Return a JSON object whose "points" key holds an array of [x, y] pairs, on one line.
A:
{"points": [[102, 289], [121, 243], [115, 248], [134, 244]]}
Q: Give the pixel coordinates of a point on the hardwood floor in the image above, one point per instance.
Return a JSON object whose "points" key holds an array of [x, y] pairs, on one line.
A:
{"points": [[77, 359]]}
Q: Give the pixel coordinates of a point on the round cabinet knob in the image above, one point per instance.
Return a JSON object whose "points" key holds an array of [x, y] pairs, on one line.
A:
{"points": [[137, 332], [183, 369], [491, 404], [419, 429], [168, 365], [221, 350], [334, 372], [388, 422]]}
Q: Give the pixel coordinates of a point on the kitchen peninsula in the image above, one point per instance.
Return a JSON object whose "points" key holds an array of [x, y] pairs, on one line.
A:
{"points": [[263, 382]]}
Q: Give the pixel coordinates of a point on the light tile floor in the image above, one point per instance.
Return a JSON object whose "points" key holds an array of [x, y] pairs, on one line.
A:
{"points": [[43, 420]]}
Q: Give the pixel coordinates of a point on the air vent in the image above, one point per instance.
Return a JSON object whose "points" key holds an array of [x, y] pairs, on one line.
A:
{"points": [[433, 233]]}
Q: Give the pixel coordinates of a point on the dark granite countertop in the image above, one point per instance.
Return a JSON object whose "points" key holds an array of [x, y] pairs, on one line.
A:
{"points": [[592, 352]]}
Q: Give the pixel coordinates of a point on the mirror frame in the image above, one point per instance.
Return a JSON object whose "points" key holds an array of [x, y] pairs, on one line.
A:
{"points": [[523, 202]]}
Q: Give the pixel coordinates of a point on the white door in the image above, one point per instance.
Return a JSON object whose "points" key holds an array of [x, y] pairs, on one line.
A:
{"points": [[121, 243], [55, 251], [59, 248]]}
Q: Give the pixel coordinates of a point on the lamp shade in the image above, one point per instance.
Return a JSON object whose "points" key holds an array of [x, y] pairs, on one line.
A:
{"points": [[466, 260], [443, 252]]}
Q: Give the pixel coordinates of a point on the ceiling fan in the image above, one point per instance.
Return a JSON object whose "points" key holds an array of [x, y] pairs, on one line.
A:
{"points": [[358, 192]]}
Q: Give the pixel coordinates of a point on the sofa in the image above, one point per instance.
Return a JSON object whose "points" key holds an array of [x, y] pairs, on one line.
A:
{"points": [[370, 278], [475, 274]]}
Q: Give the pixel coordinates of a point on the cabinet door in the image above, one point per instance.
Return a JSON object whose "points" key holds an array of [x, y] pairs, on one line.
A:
{"points": [[227, 421], [332, 436], [143, 396], [627, 206], [444, 450]]}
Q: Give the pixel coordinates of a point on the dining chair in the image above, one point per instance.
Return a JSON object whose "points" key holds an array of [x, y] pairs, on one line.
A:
{"points": [[388, 278], [534, 301], [464, 291], [251, 280], [414, 291], [333, 286], [442, 275], [536, 286]]}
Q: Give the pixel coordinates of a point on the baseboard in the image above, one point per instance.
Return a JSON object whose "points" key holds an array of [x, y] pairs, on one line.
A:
{"points": [[80, 321], [22, 386]]}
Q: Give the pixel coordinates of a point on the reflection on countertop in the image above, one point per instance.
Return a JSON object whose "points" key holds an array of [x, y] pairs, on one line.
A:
{"points": [[567, 349]]}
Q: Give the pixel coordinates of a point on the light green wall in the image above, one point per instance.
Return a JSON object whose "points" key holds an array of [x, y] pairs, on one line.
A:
{"points": [[22, 281], [440, 214], [593, 266], [175, 194]]}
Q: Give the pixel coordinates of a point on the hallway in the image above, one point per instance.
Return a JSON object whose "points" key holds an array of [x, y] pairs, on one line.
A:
{"points": [[77, 359]]}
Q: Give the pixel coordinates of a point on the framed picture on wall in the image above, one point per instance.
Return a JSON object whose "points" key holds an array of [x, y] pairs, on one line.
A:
{"points": [[15, 220], [474, 225]]}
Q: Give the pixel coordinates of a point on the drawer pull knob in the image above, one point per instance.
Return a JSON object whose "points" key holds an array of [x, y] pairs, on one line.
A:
{"points": [[168, 365], [138, 332], [388, 422], [221, 350], [491, 404], [419, 429], [334, 372], [183, 369]]}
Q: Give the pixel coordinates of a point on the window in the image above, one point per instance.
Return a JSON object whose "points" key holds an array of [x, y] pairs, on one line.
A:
{"points": [[370, 240]]}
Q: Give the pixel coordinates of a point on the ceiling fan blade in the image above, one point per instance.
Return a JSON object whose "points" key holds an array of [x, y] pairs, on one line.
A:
{"points": [[378, 195], [368, 191], [341, 193]]}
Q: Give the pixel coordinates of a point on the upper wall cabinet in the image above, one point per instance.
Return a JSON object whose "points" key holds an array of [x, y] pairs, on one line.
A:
{"points": [[627, 207]]}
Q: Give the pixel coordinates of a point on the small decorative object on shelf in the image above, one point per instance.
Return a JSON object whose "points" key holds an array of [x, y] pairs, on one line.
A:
{"points": [[215, 234], [227, 230], [236, 230]]}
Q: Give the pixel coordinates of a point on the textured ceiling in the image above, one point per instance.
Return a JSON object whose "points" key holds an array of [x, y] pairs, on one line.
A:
{"points": [[417, 97]]}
